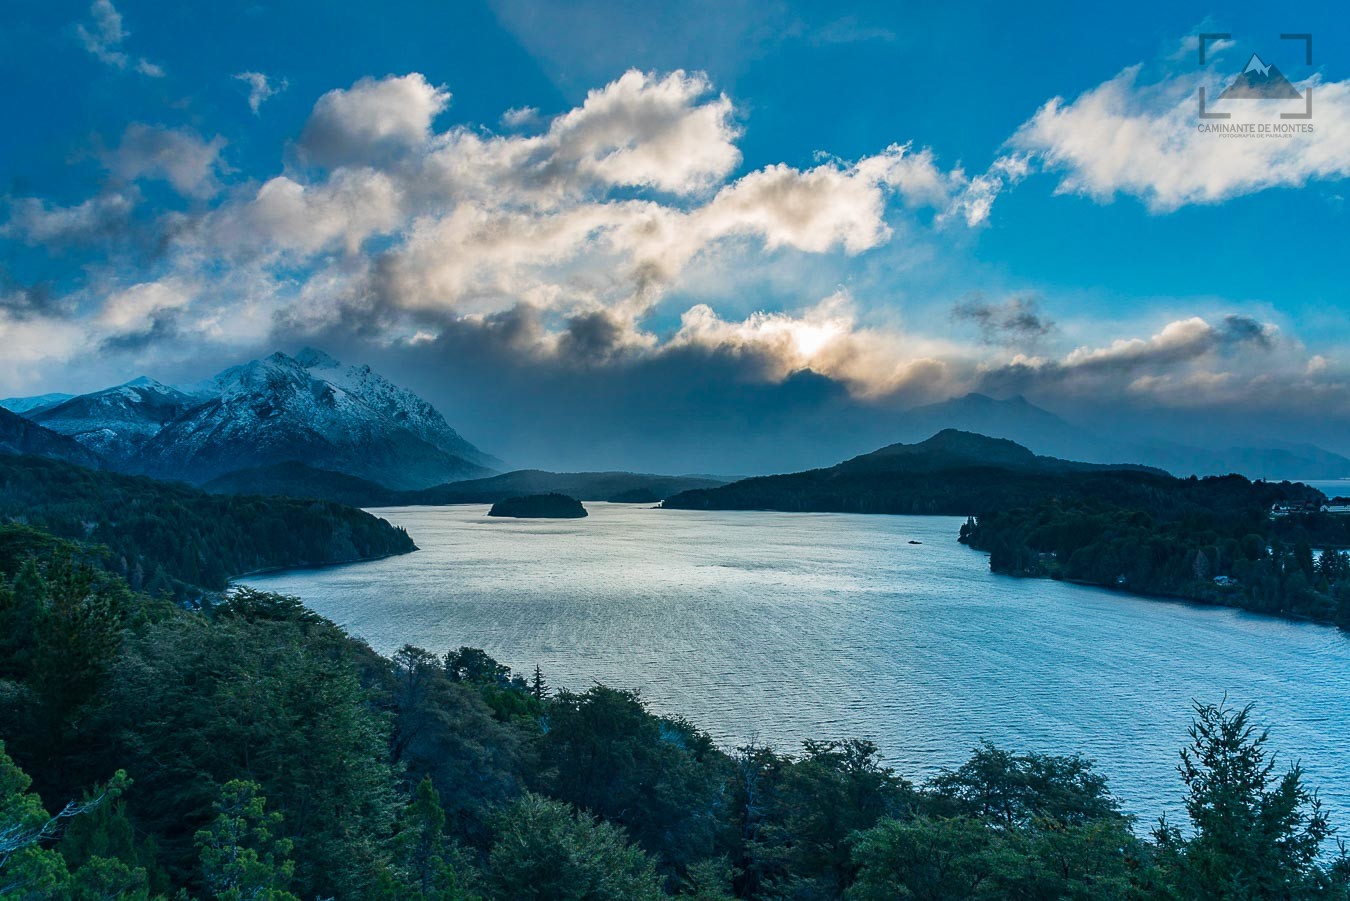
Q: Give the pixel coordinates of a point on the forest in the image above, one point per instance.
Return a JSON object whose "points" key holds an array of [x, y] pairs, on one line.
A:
{"points": [[170, 537], [1209, 540], [250, 749]]}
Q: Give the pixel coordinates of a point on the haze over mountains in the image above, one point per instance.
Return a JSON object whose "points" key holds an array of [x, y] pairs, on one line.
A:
{"points": [[307, 424], [1046, 433]]}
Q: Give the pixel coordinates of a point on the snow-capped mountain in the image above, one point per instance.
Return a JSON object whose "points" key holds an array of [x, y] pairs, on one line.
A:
{"points": [[311, 409], [27, 406], [395, 403], [116, 422]]}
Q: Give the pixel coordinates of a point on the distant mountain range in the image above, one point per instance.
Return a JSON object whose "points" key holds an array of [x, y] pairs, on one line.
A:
{"points": [[306, 425], [1046, 433], [309, 407], [26, 405]]}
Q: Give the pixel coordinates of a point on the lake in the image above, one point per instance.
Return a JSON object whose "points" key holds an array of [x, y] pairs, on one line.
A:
{"points": [[777, 627]]}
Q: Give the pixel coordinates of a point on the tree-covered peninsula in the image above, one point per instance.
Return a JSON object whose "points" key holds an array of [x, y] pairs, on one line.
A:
{"points": [[168, 536]]}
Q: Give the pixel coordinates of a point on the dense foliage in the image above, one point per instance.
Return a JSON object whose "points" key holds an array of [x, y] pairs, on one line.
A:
{"points": [[251, 749], [1210, 540], [961, 474], [539, 506], [167, 536]]}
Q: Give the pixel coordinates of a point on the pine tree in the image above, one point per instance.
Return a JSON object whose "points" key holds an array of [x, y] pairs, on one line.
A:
{"points": [[538, 687]]}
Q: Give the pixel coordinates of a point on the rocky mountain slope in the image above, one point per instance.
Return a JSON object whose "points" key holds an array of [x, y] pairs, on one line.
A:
{"points": [[116, 422], [310, 408], [284, 408]]}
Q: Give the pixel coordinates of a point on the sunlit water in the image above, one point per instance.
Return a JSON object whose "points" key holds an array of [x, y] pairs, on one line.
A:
{"points": [[780, 627]]}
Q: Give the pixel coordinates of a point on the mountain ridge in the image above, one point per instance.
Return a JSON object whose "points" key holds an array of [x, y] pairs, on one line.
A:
{"points": [[1046, 432], [23, 437], [268, 411]]}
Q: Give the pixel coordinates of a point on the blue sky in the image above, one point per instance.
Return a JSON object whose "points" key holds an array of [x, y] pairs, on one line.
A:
{"points": [[875, 193]]}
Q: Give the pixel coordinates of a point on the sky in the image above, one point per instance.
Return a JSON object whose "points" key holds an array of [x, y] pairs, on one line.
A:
{"points": [[706, 236]]}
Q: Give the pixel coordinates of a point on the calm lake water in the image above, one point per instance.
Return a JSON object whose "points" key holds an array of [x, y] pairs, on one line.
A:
{"points": [[780, 627]]}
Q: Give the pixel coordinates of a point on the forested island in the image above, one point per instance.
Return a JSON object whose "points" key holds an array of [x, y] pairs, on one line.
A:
{"points": [[251, 749], [539, 506]]}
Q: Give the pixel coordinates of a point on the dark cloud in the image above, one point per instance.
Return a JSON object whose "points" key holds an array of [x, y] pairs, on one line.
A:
{"points": [[1017, 321], [21, 301], [1245, 330], [590, 338], [160, 328], [681, 409]]}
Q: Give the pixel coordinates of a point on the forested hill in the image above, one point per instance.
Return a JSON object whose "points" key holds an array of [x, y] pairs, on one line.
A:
{"points": [[953, 473], [169, 536]]}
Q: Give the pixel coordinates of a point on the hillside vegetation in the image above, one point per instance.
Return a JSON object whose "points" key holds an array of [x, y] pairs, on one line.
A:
{"points": [[167, 536]]}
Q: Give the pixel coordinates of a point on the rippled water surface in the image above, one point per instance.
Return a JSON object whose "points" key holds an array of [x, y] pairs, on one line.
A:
{"points": [[780, 627]]}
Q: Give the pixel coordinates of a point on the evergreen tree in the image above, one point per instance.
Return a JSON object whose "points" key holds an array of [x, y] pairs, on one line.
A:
{"points": [[547, 851], [424, 849], [537, 686], [1254, 834], [242, 856]]}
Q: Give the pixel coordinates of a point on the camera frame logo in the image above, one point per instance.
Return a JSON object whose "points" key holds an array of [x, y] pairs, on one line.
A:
{"points": [[1260, 80]]}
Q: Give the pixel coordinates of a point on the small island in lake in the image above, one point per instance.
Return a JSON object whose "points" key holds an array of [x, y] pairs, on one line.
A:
{"points": [[539, 506]]}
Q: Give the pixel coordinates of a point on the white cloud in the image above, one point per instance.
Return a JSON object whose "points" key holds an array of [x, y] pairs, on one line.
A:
{"points": [[38, 222], [590, 222], [103, 37], [184, 159], [261, 88], [1143, 140], [134, 309], [827, 339], [647, 132], [31, 342], [520, 116], [288, 217], [471, 224], [373, 120]]}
